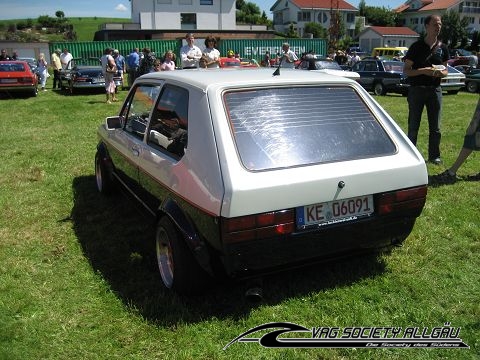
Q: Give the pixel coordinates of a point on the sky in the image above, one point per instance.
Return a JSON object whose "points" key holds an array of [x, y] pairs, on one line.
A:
{"points": [[24, 9]]}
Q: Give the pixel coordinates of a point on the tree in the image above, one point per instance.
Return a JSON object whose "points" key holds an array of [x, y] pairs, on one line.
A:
{"points": [[379, 16], [317, 30], [249, 13], [60, 14], [361, 8], [291, 32], [454, 29]]}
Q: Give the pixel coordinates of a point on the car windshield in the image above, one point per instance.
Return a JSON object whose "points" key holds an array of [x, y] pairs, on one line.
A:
{"points": [[5, 67], [324, 64], [284, 127], [92, 61], [395, 66]]}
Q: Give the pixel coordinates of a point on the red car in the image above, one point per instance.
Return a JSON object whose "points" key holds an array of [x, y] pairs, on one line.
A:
{"points": [[229, 62], [16, 76]]}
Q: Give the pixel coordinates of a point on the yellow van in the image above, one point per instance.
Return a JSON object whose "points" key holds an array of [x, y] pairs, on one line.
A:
{"points": [[390, 52]]}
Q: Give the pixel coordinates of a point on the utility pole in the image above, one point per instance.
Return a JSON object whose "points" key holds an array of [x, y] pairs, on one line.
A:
{"points": [[334, 29]]}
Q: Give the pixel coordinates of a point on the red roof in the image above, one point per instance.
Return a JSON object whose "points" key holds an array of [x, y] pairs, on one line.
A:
{"points": [[429, 5], [440, 5], [399, 30], [322, 4]]}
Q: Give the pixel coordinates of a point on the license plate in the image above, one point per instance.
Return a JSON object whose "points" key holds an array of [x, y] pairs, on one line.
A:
{"points": [[8, 81], [333, 212]]}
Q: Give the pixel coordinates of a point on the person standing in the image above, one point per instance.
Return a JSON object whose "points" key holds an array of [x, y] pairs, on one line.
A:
{"points": [[65, 59], [108, 67], [146, 63], [168, 63], [120, 62], [4, 56], [288, 58], [425, 66], [133, 62], [42, 70], [57, 68], [211, 54], [190, 54], [471, 142]]}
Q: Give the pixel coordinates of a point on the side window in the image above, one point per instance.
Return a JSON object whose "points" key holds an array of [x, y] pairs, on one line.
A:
{"points": [[168, 129], [138, 108], [371, 66]]}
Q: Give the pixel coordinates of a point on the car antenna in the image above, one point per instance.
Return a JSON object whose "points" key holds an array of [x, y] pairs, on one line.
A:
{"points": [[277, 72]]}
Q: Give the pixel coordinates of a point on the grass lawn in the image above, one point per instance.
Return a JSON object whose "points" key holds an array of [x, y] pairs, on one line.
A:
{"points": [[77, 281]]}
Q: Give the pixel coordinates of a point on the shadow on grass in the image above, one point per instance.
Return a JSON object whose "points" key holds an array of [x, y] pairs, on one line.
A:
{"points": [[117, 237]]}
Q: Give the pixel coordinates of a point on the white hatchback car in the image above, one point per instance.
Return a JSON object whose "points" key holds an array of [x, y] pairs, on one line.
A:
{"points": [[247, 173]]}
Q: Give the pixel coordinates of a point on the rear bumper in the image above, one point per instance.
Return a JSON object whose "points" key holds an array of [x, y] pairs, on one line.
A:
{"points": [[12, 88], [303, 248]]}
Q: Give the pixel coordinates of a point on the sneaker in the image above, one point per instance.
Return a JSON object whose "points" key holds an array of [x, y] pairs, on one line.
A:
{"points": [[444, 178], [473, 177], [436, 161]]}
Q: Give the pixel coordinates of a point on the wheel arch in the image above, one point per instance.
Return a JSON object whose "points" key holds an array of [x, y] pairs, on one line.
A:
{"points": [[170, 208]]}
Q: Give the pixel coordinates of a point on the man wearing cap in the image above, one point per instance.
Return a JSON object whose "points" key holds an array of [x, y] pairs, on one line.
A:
{"points": [[190, 54], [57, 68]]}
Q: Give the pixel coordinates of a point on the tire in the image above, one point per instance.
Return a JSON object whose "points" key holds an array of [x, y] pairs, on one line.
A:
{"points": [[34, 92], [178, 268], [472, 87], [379, 89], [102, 176]]}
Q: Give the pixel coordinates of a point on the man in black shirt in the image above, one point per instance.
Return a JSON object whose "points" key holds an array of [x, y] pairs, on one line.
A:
{"points": [[425, 65], [4, 56]]}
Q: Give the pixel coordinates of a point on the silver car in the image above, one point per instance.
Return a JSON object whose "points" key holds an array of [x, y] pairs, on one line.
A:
{"points": [[247, 173]]}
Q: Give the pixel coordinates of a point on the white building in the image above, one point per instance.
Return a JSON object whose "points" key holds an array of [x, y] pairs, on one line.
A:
{"points": [[380, 36], [301, 12], [184, 14], [413, 12]]}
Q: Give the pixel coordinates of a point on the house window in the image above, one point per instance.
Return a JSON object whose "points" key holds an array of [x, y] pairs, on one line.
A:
{"points": [[350, 18], [188, 21], [322, 18], [303, 16], [206, 2], [164, 1]]}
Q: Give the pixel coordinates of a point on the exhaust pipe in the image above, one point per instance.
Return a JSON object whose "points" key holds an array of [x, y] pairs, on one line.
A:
{"points": [[254, 291]]}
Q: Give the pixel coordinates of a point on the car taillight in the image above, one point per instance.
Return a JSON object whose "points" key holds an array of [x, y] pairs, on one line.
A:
{"points": [[408, 199], [25, 80], [259, 226]]}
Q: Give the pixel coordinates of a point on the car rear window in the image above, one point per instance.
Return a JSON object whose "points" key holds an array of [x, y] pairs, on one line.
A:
{"points": [[285, 127], [11, 67]]}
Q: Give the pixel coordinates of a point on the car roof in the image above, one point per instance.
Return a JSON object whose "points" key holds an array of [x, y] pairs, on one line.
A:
{"points": [[205, 78]]}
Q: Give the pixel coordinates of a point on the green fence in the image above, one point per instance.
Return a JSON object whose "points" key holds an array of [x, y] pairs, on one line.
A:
{"points": [[86, 49], [248, 48], [256, 48]]}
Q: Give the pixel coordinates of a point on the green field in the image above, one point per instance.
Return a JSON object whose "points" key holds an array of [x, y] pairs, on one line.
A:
{"points": [[85, 27], [77, 279]]}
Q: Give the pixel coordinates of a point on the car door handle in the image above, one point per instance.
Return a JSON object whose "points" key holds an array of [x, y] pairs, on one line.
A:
{"points": [[135, 151]]}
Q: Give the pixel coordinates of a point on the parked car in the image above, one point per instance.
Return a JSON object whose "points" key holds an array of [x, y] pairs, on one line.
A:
{"points": [[382, 76], [85, 74], [249, 63], [359, 51], [472, 77], [327, 66], [453, 82], [459, 57], [242, 181], [17, 77], [229, 62]]}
